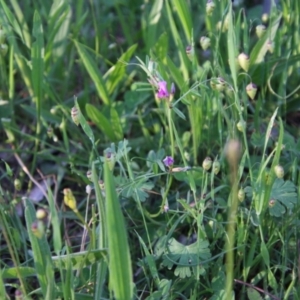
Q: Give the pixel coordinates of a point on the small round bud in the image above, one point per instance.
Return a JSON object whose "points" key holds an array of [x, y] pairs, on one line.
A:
{"points": [[205, 42], [270, 46], [50, 132], [207, 163], [241, 195], [220, 84], [244, 62], [211, 224], [272, 202], [279, 171], [17, 184], [88, 189], [3, 49], [241, 125], [36, 230], [210, 6], [216, 167], [41, 214], [251, 90], [190, 52], [101, 184], [260, 30], [229, 91], [166, 208], [265, 18], [75, 115], [89, 175]]}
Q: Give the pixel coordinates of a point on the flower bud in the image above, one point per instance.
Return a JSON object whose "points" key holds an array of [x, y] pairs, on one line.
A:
{"points": [[41, 214], [2, 36], [270, 46], [75, 115], [88, 189], [205, 42], [216, 167], [265, 18], [220, 84], [50, 132], [244, 62], [17, 184], [272, 202], [190, 52], [241, 195], [18, 295], [207, 163], [69, 199], [166, 208], [89, 175], [3, 49], [260, 30], [241, 125], [251, 90], [36, 229], [101, 185], [226, 23], [210, 6], [279, 171]]}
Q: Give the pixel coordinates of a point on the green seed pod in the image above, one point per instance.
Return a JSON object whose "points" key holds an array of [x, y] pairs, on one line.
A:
{"points": [[279, 171], [216, 167], [244, 61], [205, 42], [3, 49], [17, 184], [41, 214], [75, 115], [260, 30], [210, 6], [241, 195], [207, 163], [251, 90], [89, 175], [2, 36], [241, 125]]}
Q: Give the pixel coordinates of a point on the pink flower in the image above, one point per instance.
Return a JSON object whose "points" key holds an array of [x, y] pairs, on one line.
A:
{"points": [[162, 90], [168, 161]]}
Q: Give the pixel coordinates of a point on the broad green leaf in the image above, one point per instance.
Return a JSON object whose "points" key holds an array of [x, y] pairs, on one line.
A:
{"points": [[283, 197], [117, 73], [79, 260], [120, 271], [91, 67], [253, 294], [260, 49], [85, 126], [12, 273], [185, 257], [101, 121], [116, 124]]}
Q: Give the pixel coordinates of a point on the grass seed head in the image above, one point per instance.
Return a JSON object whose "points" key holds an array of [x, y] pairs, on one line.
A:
{"points": [[17, 184], [205, 42], [279, 171], [244, 61], [216, 167], [207, 163], [260, 30], [251, 90], [75, 115], [241, 195], [210, 7]]}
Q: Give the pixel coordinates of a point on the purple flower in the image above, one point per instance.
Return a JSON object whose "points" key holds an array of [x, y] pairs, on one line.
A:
{"points": [[162, 90], [168, 161]]}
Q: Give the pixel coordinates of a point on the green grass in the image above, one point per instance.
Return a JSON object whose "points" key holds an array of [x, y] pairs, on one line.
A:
{"points": [[88, 207]]}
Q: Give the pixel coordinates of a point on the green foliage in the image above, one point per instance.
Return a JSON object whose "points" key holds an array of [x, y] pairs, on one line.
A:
{"points": [[141, 228]]}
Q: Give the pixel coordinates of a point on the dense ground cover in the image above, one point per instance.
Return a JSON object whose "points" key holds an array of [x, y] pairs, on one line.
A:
{"points": [[149, 150]]}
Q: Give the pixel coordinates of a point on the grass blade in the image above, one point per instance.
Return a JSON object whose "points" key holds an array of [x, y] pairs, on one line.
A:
{"points": [[120, 272]]}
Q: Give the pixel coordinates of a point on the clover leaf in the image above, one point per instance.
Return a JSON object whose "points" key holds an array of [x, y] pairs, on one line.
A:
{"points": [[283, 197], [186, 258]]}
